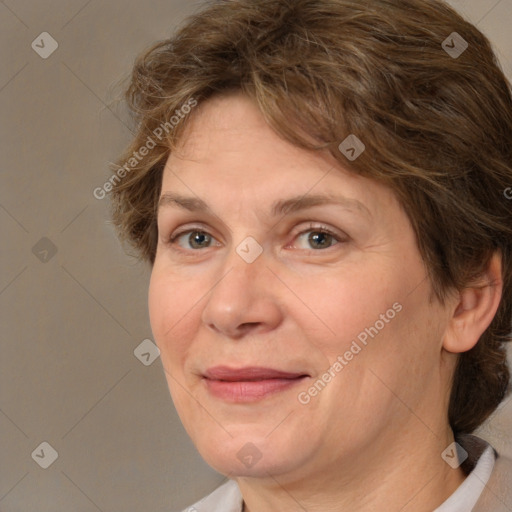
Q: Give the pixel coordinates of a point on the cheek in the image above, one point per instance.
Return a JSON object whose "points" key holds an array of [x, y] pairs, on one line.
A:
{"points": [[170, 309], [158, 305], [376, 326], [347, 304]]}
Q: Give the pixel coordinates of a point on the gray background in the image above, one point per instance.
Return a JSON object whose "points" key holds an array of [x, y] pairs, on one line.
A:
{"points": [[71, 319]]}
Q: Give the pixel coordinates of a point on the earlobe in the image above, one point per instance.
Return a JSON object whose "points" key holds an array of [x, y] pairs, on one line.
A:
{"points": [[477, 304]]}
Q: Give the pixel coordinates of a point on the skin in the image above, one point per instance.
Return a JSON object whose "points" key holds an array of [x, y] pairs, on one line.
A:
{"points": [[372, 438]]}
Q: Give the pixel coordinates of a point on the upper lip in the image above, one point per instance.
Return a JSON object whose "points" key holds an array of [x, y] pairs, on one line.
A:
{"points": [[248, 373]]}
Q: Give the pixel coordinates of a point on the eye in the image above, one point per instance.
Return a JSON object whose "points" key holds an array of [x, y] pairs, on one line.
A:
{"points": [[320, 237], [197, 238]]}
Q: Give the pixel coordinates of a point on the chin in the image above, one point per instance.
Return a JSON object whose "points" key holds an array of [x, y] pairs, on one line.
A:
{"points": [[250, 455]]}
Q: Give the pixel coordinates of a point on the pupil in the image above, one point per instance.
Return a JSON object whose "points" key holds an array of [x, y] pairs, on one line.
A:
{"points": [[315, 237], [197, 235]]}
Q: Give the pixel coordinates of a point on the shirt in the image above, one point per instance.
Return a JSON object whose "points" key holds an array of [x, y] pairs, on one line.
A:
{"points": [[480, 465]]}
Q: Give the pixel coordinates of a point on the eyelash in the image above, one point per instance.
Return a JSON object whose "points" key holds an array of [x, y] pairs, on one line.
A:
{"points": [[171, 240]]}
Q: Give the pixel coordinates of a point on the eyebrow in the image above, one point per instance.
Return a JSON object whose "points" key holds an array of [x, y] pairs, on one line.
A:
{"points": [[280, 207]]}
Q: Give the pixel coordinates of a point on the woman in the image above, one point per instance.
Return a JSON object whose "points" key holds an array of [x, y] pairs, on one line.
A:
{"points": [[319, 188]]}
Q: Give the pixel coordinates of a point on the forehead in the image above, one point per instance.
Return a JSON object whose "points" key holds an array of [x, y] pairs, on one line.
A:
{"points": [[228, 151]]}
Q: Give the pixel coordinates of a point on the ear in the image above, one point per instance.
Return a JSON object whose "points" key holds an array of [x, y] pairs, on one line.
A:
{"points": [[475, 307]]}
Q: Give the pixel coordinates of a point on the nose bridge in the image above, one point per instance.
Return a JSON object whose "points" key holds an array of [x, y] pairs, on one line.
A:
{"points": [[242, 294], [243, 271]]}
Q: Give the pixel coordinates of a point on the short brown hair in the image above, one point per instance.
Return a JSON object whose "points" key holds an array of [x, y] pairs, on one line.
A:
{"points": [[437, 129]]}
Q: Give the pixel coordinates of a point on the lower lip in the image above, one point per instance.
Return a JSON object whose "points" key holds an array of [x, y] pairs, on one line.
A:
{"points": [[249, 391]]}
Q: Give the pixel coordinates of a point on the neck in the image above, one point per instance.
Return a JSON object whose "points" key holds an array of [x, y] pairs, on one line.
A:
{"points": [[406, 474]]}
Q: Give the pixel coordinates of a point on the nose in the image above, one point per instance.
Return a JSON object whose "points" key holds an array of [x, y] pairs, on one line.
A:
{"points": [[244, 300]]}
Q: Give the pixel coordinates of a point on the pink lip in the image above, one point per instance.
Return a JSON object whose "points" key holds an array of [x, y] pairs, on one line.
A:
{"points": [[248, 384]]}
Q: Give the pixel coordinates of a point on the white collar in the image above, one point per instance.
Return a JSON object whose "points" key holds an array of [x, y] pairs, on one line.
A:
{"points": [[228, 498], [468, 493]]}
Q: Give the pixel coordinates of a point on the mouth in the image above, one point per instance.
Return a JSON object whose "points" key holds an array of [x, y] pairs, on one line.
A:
{"points": [[249, 384]]}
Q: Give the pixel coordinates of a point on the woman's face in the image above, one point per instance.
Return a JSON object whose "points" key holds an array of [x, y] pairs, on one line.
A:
{"points": [[331, 291]]}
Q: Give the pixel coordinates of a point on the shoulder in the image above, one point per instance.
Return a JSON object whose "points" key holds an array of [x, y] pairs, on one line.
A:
{"points": [[497, 493], [226, 498]]}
